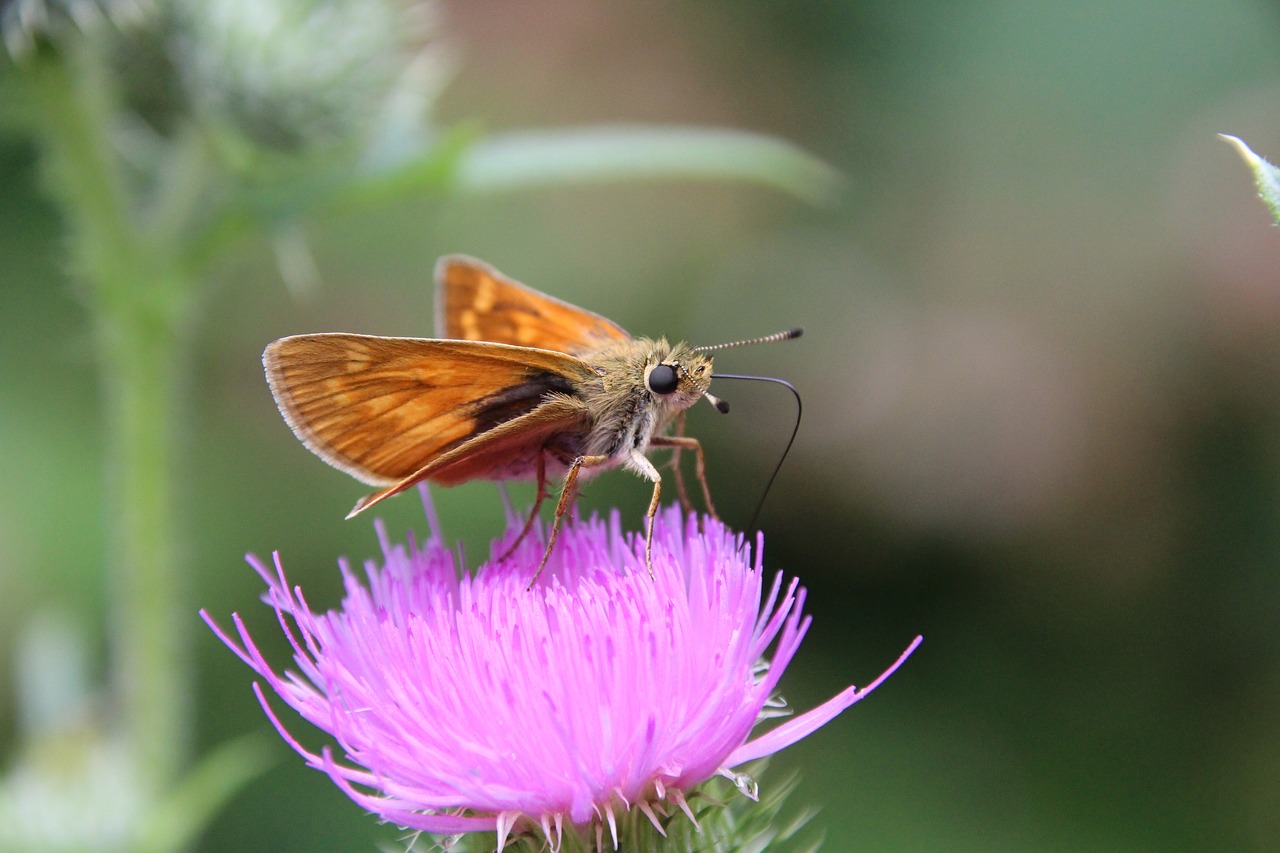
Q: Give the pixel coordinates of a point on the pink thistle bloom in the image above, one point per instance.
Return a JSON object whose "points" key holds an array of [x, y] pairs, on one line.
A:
{"points": [[467, 702]]}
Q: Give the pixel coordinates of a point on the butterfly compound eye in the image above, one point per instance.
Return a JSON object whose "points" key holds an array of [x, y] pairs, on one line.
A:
{"points": [[663, 379]]}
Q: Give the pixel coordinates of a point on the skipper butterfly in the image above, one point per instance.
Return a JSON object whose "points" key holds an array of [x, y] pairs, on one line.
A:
{"points": [[517, 385]]}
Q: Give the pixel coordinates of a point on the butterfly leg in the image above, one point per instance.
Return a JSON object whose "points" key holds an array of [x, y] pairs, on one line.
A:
{"points": [[533, 513], [648, 530], [687, 442], [642, 466], [567, 492], [681, 492]]}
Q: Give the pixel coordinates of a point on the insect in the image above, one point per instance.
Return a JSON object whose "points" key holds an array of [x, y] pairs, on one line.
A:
{"points": [[518, 385]]}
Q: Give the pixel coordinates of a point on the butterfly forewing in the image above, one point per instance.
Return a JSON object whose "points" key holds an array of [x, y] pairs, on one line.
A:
{"points": [[383, 409], [475, 302]]}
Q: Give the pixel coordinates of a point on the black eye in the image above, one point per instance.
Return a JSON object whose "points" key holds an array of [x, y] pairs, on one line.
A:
{"points": [[663, 379]]}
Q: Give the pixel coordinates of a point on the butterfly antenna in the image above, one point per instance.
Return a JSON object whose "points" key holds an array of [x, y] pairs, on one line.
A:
{"points": [[724, 407], [788, 335]]}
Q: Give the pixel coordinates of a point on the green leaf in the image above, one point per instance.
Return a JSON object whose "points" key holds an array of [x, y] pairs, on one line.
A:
{"points": [[1265, 175], [616, 153], [461, 161]]}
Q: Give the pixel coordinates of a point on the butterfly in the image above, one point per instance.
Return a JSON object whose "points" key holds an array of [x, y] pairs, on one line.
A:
{"points": [[517, 385]]}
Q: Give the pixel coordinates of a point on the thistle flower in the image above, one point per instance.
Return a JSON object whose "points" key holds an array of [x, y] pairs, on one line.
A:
{"points": [[466, 702], [296, 75], [24, 23]]}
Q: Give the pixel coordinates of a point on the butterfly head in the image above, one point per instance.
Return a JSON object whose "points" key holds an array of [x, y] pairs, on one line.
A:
{"points": [[677, 376]]}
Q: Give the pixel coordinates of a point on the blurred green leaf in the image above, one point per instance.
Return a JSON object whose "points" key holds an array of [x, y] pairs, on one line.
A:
{"points": [[631, 153], [1265, 175], [430, 170]]}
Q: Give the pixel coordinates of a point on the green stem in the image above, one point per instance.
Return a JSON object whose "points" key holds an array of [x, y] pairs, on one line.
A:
{"points": [[141, 374], [137, 291]]}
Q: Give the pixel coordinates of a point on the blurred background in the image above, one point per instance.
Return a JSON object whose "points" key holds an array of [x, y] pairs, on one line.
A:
{"points": [[1041, 379]]}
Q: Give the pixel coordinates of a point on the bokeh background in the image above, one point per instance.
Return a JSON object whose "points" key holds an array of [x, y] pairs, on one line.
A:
{"points": [[1041, 378]]}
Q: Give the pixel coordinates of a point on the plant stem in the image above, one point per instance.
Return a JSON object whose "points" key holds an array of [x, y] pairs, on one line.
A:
{"points": [[137, 291], [140, 370]]}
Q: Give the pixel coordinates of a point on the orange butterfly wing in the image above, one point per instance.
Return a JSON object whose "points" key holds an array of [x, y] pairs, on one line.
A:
{"points": [[511, 448], [385, 409], [475, 302]]}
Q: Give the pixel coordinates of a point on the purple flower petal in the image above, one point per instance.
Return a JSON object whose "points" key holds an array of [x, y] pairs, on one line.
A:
{"points": [[807, 723], [466, 701]]}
